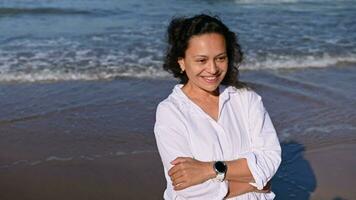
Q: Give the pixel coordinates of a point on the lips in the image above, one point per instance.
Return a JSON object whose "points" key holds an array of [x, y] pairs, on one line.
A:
{"points": [[210, 79]]}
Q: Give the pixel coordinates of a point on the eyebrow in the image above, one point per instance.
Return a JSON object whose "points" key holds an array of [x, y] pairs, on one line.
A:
{"points": [[224, 53]]}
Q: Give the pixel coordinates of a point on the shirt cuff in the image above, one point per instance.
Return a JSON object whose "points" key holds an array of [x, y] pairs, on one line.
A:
{"points": [[252, 165], [224, 189]]}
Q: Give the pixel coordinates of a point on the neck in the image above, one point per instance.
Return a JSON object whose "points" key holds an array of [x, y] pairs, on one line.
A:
{"points": [[195, 92]]}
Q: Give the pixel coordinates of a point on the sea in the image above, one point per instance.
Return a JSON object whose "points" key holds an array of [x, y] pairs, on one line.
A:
{"points": [[81, 79], [47, 40]]}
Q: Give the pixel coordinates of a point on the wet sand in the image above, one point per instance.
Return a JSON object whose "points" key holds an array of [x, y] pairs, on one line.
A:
{"points": [[334, 169], [136, 176], [94, 140], [316, 173], [330, 175]]}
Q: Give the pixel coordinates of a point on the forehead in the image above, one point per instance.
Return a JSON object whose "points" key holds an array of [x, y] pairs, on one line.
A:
{"points": [[206, 44]]}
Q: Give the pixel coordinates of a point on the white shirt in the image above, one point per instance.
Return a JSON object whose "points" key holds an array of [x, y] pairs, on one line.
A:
{"points": [[243, 130]]}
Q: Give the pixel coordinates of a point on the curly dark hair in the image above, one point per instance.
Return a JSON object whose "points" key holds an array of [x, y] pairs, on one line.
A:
{"points": [[181, 29]]}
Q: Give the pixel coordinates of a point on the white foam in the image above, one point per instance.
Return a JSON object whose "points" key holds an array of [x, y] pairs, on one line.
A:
{"points": [[29, 43], [141, 151], [290, 62], [35, 162], [328, 129], [47, 76], [81, 157], [264, 1], [19, 162], [50, 158], [289, 133], [85, 65]]}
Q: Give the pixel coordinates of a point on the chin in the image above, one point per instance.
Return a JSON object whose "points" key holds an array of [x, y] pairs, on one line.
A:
{"points": [[210, 88]]}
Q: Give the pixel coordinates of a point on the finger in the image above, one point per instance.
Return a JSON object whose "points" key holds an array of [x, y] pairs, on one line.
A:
{"points": [[175, 176], [173, 170], [178, 167], [267, 186], [178, 181], [263, 191], [178, 160], [181, 186]]}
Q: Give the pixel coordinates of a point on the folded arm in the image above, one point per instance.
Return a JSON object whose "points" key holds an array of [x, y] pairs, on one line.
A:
{"points": [[239, 188], [190, 178], [190, 182], [255, 167]]}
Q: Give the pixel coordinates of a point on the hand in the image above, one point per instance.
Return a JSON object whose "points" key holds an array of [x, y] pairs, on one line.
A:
{"points": [[187, 172]]}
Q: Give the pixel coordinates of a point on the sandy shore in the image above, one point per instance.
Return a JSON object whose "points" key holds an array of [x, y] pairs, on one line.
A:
{"points": [[135, 176], [94, 140], [316, 174], [334, 168]]}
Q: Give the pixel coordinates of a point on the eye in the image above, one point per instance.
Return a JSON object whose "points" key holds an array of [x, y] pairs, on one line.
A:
{"points": [[201, 61], [221, 58]]}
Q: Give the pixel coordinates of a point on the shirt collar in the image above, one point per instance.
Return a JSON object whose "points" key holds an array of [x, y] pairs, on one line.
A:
{"points": [[223, 90]]}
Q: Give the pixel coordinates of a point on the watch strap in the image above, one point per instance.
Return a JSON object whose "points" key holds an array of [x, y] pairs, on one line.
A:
{"points": [[220, 175]]}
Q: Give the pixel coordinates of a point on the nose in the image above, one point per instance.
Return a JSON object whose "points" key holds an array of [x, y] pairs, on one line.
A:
{"points": [[213, 67]]}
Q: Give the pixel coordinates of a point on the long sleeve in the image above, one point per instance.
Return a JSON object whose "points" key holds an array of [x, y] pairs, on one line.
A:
{"points": [[265, 156], [173, 141]]}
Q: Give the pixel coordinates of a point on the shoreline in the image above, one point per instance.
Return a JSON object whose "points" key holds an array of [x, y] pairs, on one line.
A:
{"points": [[68, 140]]}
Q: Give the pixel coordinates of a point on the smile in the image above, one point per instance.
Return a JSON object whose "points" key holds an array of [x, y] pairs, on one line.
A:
{"points": [[210, 79]]}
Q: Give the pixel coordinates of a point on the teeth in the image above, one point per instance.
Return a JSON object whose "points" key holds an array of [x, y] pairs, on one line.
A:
{"points": [[211, 78]]}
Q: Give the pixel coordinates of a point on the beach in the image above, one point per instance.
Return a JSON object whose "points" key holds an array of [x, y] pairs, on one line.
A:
{"points": [[80, 82], [102, 146], [126, 177]]}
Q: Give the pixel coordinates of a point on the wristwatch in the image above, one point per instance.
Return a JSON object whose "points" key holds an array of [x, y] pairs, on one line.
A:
{"points": [[220, 168]]}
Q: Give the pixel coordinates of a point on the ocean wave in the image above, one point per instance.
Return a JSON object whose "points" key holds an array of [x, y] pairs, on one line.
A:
{"points": [[45, 11], [264, 1], [48, 76], [295, 62], [73, 63]]}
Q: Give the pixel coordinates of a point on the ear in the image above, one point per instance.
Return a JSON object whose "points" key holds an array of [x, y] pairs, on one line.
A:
{"points": [[181, 63]]}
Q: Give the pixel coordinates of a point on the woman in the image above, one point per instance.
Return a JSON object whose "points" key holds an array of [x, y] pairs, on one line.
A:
{"points": [[214, 136]]}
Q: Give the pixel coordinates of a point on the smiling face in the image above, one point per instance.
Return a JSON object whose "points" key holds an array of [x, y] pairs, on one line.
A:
{"points": [[205, 62]]}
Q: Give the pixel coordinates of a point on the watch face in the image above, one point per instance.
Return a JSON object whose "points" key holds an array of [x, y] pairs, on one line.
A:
{"points": [[220, 167]]}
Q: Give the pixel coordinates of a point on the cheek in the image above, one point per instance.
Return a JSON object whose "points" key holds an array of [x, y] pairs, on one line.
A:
{"points": [[224, 67], [194, 69], [191, 73]]}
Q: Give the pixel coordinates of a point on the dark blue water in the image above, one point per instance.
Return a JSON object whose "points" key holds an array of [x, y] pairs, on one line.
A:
{"points": [[44, 40], [68, 121]]}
